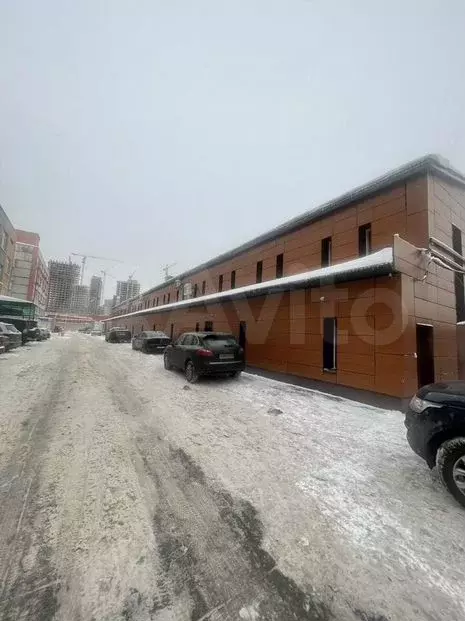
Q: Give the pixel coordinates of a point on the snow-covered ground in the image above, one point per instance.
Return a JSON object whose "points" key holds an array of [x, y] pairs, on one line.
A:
{"points": [[351, 517]]}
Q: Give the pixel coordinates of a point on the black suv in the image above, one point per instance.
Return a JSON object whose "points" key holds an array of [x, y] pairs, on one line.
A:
{"points": [[205, 353], [435, 423], [118, 335]]}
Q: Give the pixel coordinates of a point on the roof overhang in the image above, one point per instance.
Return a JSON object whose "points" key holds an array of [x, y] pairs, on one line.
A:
{"points": [[380, 263]]}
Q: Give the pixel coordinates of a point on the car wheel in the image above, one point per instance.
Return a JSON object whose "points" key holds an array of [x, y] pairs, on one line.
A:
{"points": [[166, 362], [191, 374], [450, 461], [236, 374]]}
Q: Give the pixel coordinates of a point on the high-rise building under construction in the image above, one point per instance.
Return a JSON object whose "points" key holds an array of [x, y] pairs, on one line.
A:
{"points": [[64, 276]]}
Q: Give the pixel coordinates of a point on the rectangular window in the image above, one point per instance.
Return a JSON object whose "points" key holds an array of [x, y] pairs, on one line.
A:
{"points": [[195, 290], [279, 266], [164, 298], [169, 294], [326, 251], [204, 286], [259, 271], [172, 331], [364, 240], [233, 279], [197, 327], [157, 302], [329, 343], [208, 326], [220, 282], [458, 278]]}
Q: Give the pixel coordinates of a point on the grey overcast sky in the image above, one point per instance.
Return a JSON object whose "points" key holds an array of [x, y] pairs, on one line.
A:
{"points": [[169, 131]]}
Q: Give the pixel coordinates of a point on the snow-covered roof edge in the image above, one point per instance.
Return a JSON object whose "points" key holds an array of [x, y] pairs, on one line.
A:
{"points": [[375, 263], [7, 298]]}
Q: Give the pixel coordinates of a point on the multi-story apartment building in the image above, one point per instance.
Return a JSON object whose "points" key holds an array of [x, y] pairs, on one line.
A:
{"points": [[359, 292], [30, 277], [7, 251], [127, 289]]}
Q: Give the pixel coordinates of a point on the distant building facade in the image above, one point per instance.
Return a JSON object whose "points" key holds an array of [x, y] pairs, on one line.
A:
{"points": [[30, 276], [107, 306], [127, 289], [64, 277], [95, 294], [7, 252], [80, 300]]}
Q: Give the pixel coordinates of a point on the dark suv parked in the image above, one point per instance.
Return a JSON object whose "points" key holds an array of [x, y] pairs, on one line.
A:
{"points": [[151, 342], [205, 353], [435, 424], [118, 335]]}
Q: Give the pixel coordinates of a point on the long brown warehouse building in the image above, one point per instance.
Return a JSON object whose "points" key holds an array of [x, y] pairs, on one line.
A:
{"points": [[364, 291]]}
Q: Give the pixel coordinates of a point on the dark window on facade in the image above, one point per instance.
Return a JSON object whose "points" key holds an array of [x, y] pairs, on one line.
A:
{"points": [[157, 301], [204, 286], [208, 326], [329, 343], [279, 266], [177, 295], [458, 278], [233, 279], [220, 282], [364, 240], [172, 331], [169, 295], [326, 251], [195, 290], [259, 271], [197, 327]]}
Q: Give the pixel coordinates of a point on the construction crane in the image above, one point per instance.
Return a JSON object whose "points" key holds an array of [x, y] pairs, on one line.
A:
{"points": [[90, 256], [166, 270]]}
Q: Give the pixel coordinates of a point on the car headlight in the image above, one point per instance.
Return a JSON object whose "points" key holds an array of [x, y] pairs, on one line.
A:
{"points": [[419, 405]]}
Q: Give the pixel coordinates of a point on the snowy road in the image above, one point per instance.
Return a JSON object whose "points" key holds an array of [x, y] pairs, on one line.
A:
{"points": [[124, 496]]}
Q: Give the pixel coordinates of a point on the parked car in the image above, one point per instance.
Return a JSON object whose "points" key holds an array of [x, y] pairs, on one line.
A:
{"points": [[205, 353], [3, 343], [435, 423], [151, 342], [13, 335], [44, 333], [33, 334], [118, 335]]}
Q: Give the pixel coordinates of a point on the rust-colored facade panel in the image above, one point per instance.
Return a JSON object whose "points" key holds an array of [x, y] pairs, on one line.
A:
{"points": [[378, 319]]}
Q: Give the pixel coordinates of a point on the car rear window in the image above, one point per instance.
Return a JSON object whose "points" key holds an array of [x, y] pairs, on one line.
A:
{"points": [[218, 340]]}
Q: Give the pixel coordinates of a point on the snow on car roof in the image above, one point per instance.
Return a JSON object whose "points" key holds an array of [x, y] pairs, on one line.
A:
{"points": [[380, 261]]}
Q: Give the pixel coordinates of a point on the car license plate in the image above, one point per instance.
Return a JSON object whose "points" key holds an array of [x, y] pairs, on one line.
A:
{"points": [[226, 356]]}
